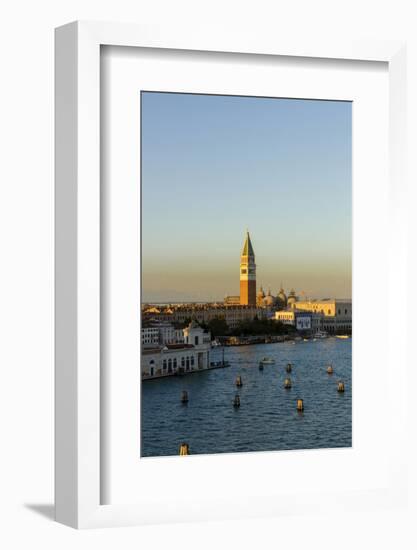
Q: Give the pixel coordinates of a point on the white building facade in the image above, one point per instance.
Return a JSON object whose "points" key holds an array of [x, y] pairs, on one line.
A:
{"points": [[149, 336], [160, 333], [336, 314], [180, 358], [301, 320]]}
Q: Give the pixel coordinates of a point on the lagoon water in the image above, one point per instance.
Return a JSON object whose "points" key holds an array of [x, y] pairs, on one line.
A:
{"points": [[267, 418]]}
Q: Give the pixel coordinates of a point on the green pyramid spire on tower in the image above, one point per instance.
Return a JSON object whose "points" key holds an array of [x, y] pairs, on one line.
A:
{"points": [[247, 247]]}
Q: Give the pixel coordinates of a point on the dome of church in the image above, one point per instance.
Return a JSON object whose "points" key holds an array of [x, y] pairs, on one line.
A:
{"points": [[260, 297], [282, 296], [269, 300], [292, 298]]}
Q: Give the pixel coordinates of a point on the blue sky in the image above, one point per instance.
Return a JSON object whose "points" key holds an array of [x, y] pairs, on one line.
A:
{"points": [[214, 166]]}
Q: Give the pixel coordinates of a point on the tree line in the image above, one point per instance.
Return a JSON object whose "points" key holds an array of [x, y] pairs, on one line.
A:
{"points": [[265, 327]]}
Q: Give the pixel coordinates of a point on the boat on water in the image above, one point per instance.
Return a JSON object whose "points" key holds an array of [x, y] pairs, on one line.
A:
{"points": [[342, 336], [219, 364], [267, 361], [215, 344], [320, 334]]}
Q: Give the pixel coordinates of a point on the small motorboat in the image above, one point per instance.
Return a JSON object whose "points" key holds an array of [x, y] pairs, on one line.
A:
{"points": [[267, 361], [261, 366], [216, 364]]}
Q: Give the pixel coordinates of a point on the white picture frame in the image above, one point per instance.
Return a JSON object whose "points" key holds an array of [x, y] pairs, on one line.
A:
{"points": [[78, 320]]}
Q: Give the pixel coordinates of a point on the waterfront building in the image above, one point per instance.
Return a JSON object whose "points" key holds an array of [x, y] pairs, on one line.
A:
{"points": [[195, 335], [337, 313], [190, 356], [286, 317], [170, 333], [300, 319], [204, 313], [149, 336], [156, 332], [247, 274]]}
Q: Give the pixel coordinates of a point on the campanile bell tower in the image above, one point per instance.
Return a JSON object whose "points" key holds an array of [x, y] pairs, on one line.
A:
{"points": [[247, 274]]}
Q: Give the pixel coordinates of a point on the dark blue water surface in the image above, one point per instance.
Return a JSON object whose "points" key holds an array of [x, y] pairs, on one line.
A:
{"points": [[267, 418]]}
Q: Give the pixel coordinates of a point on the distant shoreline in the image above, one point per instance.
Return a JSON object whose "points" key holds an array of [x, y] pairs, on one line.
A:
{"points": [[250, 341]]}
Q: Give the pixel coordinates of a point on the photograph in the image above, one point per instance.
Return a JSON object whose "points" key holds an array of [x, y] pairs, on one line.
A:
{"points": [[246, 274]]}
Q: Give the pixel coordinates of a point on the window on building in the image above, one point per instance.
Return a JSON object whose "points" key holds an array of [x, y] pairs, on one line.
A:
{"points": [[164, 364], [175, 363], [196, 340], [192, 360]]}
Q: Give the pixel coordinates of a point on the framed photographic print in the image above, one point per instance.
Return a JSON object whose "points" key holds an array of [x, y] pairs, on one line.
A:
{"points": [[261, 357], [225, 233]]}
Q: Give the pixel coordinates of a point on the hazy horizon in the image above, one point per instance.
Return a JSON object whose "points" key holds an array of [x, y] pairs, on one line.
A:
{"points": [[214, 166]]}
